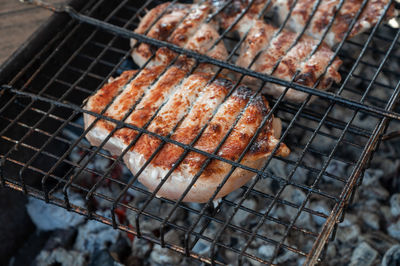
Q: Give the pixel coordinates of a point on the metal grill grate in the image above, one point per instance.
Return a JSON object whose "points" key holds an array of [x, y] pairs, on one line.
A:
{"points": [[41, 131]]}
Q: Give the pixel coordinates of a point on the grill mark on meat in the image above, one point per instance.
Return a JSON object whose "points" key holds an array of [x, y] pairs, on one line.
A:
{"points": [[161, 30], [103, 97], [313, 68], [238, 140], [188, 27], [326, 10], [274, 53], [150, 18], [204, 101], [217, 128], [322, 17], [245, 129], [198, 116], [184, 26], [280, 59], [302, 12], [154, 98], [292, 60], [124, 102], [202, 42], [133, 91], [258, 39], [303, 9], [172, 113]]}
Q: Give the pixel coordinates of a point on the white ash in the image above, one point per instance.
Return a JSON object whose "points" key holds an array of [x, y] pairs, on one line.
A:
{"points": [[241, 216], [163, 256], [394, 230], [266, 251], [392, 256], [371, 219], [321, 207], [364, 254], [202, 247], [378, 240], [95, 236], [49, 217], [141, 248], [60, 256], [110, 191], [395, 204], [369, 234], [337, 168]]}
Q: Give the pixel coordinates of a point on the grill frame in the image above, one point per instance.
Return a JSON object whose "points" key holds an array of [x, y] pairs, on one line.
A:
{"points": [[384, 114]]}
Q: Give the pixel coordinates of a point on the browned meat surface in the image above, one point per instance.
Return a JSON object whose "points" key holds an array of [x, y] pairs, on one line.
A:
{"points": [[325, 11], [268, 51], [302, 11], [176, 104], [181, 24]]}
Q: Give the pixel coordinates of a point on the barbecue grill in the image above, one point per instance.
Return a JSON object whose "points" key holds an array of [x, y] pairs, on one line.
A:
{"points": [[44, 85]]}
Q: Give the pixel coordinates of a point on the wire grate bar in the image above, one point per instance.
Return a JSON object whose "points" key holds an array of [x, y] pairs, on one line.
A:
{"points": [[118, 122], [341, 137], [329, 158], [203, 58], [76, 165], [171, 224], [345, 195], [51, 86]]}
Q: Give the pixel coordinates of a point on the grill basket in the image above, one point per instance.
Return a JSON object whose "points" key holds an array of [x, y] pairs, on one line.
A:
{"points": [[44, 153]]}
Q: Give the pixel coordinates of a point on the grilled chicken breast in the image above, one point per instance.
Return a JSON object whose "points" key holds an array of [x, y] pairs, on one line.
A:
{"points": [[180, 108], [326, 11], [181, 24], [266, 51], [302, 11]]}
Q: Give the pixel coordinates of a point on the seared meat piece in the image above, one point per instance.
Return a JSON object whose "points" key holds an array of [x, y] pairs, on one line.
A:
{"points": [[326, 10], [273, 54], [232, 148], [161, 29], [126, 92], [302, 11], [185, 106], [259, 37], [183, 25]]}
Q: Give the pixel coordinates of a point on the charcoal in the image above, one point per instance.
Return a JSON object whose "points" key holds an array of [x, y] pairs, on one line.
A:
{"points": [[61, 238], [95, 236], [321, 207], [395, 204], [103, 258], [15, 224], [375, 192], [363, 255], [337, 168], [284, 255], [348, 233], [294, 195], [60, 256], [392, 256], [120, 250], [371, 219], [141, 248], [394, 230], [386, 213], [133, 260], [242, 215], [378, 241], [202, 247], [163, 256], [266, 251], [31, 248], [49, 217]]}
